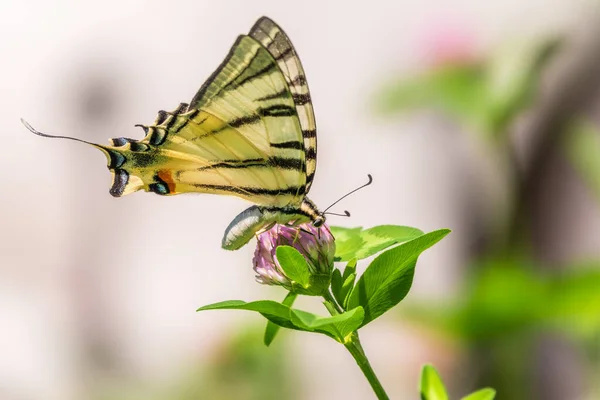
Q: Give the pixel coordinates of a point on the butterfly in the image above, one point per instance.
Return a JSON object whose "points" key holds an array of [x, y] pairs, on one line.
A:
{"points": [[248, 132]]}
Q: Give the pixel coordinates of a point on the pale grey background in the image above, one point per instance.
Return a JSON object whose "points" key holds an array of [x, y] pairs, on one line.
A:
{"points": [[76, 262]]}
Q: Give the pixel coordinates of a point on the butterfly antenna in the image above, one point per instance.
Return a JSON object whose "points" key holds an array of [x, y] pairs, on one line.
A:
{"points": [[348, 194], [36, 132], [345, 214]]}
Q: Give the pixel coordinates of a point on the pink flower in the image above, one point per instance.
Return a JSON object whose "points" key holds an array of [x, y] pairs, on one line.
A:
{"points": [[317, 245]]}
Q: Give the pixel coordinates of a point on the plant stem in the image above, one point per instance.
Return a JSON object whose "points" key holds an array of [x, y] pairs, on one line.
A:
{"points": [[355, 348]]}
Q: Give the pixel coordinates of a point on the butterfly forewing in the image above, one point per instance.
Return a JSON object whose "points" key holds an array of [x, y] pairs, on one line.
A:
{"points": [[274, 39]]}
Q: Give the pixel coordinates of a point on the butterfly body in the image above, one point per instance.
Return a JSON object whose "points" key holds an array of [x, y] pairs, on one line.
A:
{"points": [[249, 132]]}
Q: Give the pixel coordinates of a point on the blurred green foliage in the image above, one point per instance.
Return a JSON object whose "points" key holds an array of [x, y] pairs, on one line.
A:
{"points": [[506, 305], [508, 297], [246, 370], [583, 149], [237, 368], [485, 95]]}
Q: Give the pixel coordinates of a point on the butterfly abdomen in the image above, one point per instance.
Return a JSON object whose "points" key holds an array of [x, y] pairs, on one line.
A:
{"points": [[256, 219]]}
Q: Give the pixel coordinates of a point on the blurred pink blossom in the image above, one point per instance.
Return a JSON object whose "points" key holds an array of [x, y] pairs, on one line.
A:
{"points": [[448, 42]]}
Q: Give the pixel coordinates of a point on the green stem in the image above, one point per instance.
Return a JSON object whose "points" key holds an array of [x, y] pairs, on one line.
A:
{"points": [[354, 347]]}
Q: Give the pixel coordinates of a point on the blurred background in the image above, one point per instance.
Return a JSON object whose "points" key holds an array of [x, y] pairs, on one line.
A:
{"points": [[482, 117]]}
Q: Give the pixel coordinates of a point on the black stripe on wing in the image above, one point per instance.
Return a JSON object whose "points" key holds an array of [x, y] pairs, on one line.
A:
{"points": [[299, 99], [309, 133], [292, 144], [292, 190], [275, 111], [272, 162]]}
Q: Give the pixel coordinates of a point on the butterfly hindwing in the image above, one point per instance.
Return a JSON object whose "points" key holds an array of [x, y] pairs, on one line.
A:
{"points": [[249, 132], [240, 135]]}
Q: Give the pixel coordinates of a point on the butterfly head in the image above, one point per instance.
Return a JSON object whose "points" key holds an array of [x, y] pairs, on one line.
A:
{"points": [[317, 217], [310, 210], [318, 221]]}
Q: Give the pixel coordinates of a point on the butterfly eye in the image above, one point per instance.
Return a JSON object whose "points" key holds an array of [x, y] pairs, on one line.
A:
{"points": [[318, 221]]}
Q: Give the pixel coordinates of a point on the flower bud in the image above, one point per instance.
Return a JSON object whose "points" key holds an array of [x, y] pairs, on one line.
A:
{"points": [[317, 245]]}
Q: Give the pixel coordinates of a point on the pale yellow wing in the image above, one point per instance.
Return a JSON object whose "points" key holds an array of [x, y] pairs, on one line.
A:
{"points": [[240, 135], [195, 151], [274, 39]]}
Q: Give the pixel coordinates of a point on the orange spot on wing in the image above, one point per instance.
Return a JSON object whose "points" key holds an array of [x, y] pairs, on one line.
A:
{"points": [[165, 176]]}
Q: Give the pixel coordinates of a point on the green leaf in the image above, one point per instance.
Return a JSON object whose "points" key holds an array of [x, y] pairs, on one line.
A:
{"points": [[272, 329], [350, 269], [337, 326], [275, 312], [347, 241], [358, 243], [336, 285], [583, 150], [383, 236], [348, 279], [342, 284], [346, 288], [330, 306], [389, 277], [483, 394], [432, 387], [293, 264]]}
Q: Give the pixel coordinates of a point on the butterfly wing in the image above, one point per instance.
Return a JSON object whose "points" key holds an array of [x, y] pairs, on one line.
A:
{"points": [[274, 39], [245, 133]]}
